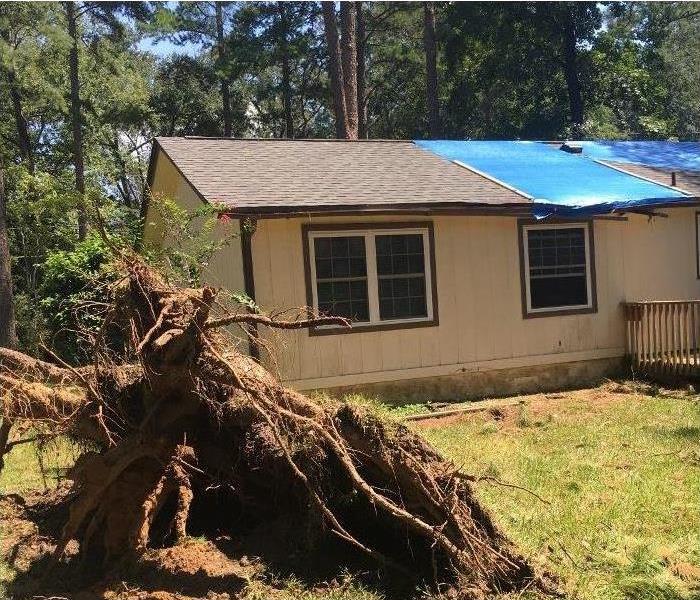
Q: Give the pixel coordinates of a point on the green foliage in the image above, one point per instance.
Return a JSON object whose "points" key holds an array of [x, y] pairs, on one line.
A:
{"points": [[184, 98], [54, 273], [75, 293], [188, 240]]}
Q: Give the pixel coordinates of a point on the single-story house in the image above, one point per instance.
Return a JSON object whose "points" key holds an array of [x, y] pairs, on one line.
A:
{"points": [[468, 268]]}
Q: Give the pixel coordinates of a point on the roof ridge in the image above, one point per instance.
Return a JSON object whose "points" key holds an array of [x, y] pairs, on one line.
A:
{"points": [[257, 139]]}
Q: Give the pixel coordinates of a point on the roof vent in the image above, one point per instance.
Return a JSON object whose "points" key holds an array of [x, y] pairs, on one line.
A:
{"points": [[572, 147]]}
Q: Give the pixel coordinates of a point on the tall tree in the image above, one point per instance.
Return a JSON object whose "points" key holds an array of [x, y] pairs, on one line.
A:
{"points": [[361, 35], [335, 69], [23, 138], [283, 38], [348, 50], [76, 120], [26, 73], [221, 51], [569, 26], [206, 24], [431, 75], [571, 72], [7, 315], [280, 57]]}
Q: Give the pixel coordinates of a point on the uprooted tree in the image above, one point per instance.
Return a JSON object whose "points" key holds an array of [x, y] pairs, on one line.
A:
{"points": [[181, 417]]}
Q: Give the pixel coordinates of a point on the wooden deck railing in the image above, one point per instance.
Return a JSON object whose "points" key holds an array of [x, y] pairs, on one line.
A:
{"points": [[663, 336]]}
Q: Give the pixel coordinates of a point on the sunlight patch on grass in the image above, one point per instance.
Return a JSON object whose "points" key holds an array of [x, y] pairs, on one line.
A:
{"points": [[23, 466]]}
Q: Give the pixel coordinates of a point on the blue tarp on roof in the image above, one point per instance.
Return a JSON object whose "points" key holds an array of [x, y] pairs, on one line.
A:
{"points": [[679, 156], [558, 182]]}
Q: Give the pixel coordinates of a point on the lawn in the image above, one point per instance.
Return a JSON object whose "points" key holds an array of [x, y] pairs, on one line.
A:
{"points": [[621, 474], [617, 469]]}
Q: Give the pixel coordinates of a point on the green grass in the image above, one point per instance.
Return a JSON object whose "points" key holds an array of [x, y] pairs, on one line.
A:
{"points": [[623, 479], [23, 471], [621, 473]]}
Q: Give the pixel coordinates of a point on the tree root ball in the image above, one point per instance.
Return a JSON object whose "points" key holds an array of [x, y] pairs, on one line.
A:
{"points": [[192, 436]]}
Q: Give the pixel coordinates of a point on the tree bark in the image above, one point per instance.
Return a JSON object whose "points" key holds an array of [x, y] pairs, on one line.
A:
{"points": [[223, 82], [361, 43], [573, 82], [286, 70], [348, 49], [335, 69], [76, 118], [23, 138], [431, 77], [7, 316]]}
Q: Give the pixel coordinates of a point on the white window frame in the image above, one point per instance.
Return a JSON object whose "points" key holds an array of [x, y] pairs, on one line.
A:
{"points": [[589, 268], [369, 236]]}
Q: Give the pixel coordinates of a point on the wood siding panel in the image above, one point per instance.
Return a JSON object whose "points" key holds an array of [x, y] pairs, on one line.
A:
{"points": [[478, 279], [452, 305]]}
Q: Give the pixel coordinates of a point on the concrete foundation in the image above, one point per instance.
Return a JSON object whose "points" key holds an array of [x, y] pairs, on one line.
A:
{"points": [[483, 384]]}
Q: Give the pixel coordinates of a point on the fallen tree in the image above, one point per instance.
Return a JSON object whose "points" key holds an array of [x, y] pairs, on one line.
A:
{"points": [[181, 420]]}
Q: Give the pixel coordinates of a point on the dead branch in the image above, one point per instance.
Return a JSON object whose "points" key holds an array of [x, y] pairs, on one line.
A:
{"points": [[250, 319]]}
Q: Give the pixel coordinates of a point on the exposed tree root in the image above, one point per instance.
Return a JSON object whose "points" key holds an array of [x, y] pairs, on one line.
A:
{"points": [[192, 419]]}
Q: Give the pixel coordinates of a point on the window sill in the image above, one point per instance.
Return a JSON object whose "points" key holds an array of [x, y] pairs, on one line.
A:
{"points": [[368, 328], [560, 312]]}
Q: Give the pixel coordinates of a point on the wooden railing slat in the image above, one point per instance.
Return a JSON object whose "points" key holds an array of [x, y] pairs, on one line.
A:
{"points": [[663, 336], [694, 327]]}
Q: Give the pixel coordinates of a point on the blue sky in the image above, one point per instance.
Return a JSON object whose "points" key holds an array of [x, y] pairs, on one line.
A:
{"points": [[165, 48]]}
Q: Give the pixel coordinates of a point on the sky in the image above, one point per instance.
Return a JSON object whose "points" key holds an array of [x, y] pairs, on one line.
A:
{"points": [[164, 48]]}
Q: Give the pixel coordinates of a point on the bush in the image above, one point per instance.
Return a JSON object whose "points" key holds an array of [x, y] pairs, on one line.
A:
{"points": [[73, 281]]}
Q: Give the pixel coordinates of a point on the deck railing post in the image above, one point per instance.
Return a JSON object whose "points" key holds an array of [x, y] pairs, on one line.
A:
{"points": [[663, 336]]}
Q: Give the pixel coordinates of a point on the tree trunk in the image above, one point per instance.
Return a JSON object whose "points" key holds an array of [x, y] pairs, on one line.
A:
{"points": [[221, 51], [431, 77], [7, 315], [123, 185], [286, 71], [361, 68], [335, 69], [25, 143], [573, 83], [348, 49], [76, 118]]}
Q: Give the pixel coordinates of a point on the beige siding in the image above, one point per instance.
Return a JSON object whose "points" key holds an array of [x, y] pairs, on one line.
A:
{"points": [[479, 297], [226, 266]]}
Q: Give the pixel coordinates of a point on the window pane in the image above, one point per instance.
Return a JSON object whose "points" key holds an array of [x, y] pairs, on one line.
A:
{"points": [[323, 268], [399, 254], [401, 272], [551, 292], [344, 299], [341, 277], [558, 269], [340, 257], [402, 297]]}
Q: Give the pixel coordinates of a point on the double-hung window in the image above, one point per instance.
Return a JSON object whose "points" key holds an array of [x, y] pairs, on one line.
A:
{"points": [[373, 275], [558, 268]]}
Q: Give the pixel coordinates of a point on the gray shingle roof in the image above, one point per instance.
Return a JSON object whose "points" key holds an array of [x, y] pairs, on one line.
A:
{"points": [[306, 174]]}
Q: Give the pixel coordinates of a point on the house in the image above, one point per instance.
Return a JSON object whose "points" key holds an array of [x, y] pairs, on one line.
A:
{"points": [[468, 268]]}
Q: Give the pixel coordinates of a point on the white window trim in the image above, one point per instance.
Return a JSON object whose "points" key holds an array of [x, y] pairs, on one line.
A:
{"points": [[526, 261], [372, 277]]}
